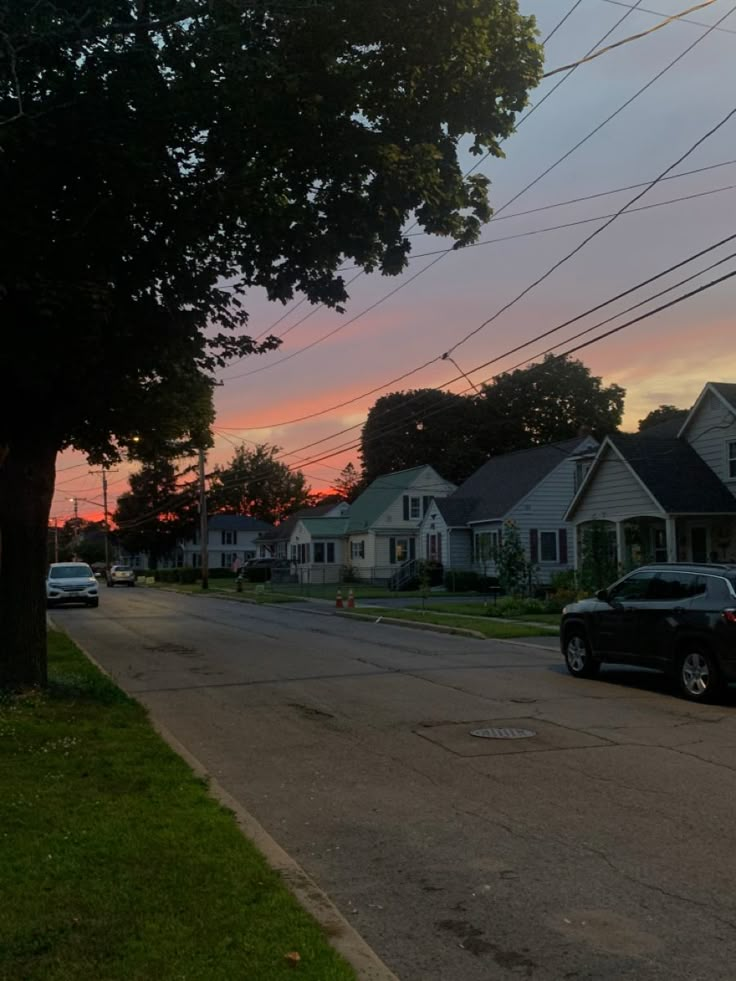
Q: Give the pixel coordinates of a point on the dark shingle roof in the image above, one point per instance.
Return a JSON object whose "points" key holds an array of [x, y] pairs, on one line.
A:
{"points": [[237, 522], [285, 528], [456, 511], [726, 390], [504, 480], [679, 479]]}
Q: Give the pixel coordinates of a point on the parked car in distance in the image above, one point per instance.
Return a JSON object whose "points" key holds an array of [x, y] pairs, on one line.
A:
{"points": [[121, 575], [71, 582], [676, 617]]}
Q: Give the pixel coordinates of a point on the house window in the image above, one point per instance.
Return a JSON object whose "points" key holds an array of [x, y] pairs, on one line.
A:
{"points": [[303, 553], [293, 552], [548, 546], [357, 550], [415, 507], [324, 551], [731, 447], [227, 559], [196, 560], [229, 538], [401, 550], [486, 545]]}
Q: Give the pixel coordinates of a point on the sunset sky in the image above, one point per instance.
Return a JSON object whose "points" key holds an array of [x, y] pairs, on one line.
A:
{"points": [[664, 359]]}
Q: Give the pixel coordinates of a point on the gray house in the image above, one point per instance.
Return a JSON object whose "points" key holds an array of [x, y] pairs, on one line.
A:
{"points": [[533, 488], [231, 541], [667, 494]]}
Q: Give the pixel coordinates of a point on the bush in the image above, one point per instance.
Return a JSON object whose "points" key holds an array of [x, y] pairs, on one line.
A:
{"points": [[166, 575], [221, 573], [348, 574], [257, 573], [468, 582], [186, 574]]}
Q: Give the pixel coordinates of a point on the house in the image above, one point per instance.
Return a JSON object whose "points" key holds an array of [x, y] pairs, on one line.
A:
{"points": [[231, 539], [317, 548], [384, 521], [274, 543], [532, 487], [667, 494]]}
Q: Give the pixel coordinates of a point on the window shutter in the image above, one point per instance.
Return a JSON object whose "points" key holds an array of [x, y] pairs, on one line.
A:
{"points": [[412, 548], [534, 545], [563, 546], [425, 504], [392, 548], [406, 507], [235, 538]]}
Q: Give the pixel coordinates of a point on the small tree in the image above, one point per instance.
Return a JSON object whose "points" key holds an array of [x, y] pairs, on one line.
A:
{"points": [[257, 483], [597, 566], [514, 569], [350, 483]]}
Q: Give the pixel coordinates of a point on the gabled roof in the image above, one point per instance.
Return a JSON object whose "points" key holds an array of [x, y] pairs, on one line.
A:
{"points": [[504, 480], [725, 391], [237, 522], [674, 474], [380, 495], [456, 511], [286, 527], [326, 527]]}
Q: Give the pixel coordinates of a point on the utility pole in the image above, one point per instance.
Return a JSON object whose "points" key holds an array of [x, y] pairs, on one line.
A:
{"points": [[203, 530], [106, 523], [56, 539]]}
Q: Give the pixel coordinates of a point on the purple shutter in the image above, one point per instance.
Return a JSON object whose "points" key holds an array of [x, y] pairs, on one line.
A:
{"points": [[534, 545], [406, 507], [562, 535]]}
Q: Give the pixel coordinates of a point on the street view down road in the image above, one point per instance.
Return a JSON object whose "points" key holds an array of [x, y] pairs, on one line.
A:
{"points": [[601, 848]]}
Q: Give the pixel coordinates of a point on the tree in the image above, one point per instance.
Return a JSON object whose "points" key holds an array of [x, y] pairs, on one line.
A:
{"points": [[349, 484], [514, 569], [663, 413], [156, 512], [256, 483], [410, 429], [159, 159], [555, 400]]}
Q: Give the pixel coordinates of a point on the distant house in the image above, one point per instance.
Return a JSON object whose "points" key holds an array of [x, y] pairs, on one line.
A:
{"points": [[275, 542], [384, 522], [668, 493], [317, 548], [231, 539], [532, 487]]}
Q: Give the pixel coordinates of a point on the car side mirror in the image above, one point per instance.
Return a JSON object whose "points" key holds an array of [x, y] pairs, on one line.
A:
{"points": [[603, 596]]}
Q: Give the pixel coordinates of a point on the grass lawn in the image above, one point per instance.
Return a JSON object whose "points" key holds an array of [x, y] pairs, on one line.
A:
{"points": [[117, 865], [481, 610], [497, 629], [226, 586]]}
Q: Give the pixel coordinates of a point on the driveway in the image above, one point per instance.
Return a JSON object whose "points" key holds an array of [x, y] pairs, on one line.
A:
{"points": [[602, 848]]}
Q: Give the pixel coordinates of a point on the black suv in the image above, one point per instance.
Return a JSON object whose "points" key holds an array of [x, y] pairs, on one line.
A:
{"points": [[677, 617]]}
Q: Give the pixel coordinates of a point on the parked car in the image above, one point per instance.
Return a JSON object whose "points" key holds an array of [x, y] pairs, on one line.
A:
{"points": [[121, 575], [71, 582], [676, 617]]}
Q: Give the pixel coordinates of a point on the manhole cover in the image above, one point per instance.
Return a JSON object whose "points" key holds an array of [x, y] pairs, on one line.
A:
{"points": [[502, 733]]}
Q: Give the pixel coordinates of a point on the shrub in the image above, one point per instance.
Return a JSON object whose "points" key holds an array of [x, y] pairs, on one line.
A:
{"points": [[348, 574], [257, 573], [221, 573], [468, 582], [186, 574]]}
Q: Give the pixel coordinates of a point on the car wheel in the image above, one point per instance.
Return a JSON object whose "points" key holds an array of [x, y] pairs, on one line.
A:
{"points": [[580, 663], [697, 676]]}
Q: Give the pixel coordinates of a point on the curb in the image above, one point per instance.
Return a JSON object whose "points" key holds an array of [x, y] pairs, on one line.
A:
{"points": [[437, 628], [339, 932]]}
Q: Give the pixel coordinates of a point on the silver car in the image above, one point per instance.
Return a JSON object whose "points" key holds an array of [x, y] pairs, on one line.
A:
{"points": [[121, 575], [71, 582]]}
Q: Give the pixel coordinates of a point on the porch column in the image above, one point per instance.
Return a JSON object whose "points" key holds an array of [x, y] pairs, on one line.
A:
{"points": [[671, 537], [620, 543]]}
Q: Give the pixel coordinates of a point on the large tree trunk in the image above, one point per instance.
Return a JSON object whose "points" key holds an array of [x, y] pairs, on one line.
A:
{"points": [[27, 475]]}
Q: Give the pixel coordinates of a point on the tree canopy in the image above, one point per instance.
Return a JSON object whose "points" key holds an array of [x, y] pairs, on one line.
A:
{"points": [[158, 159], [256, 483], [663, 413], [554, 400], [349, 484]]}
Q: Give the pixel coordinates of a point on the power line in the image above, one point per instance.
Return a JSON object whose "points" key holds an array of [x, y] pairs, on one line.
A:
{"points": [[559, 23], [439, 258], [658, 13], [628, 40]]}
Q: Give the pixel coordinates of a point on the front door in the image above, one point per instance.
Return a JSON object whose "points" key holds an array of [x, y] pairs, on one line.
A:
{"points": [[699, 544]]}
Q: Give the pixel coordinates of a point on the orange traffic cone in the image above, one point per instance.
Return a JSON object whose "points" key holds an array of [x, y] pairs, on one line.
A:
{"points": [[338, 600], [351, 600]]}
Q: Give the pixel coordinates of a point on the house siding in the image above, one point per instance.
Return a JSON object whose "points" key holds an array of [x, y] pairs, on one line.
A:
{"points": [[460, 549], [711, 428], [426, 484], [614, 494]]}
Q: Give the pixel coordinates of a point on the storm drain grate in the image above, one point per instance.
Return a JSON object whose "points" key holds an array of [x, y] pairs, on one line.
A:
{"points": [[502, 733]]}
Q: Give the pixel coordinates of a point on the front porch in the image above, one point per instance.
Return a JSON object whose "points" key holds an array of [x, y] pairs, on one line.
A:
{"points": [[631, 541]]}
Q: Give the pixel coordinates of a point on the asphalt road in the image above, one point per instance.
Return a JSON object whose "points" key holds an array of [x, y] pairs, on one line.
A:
{"points": [[601, 849]]}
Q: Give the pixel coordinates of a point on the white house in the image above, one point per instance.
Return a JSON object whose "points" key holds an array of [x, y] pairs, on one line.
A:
{"points": [[275, 543], [317, 548], [231, 539], [383, 523], [669, 492], [533, 488]]}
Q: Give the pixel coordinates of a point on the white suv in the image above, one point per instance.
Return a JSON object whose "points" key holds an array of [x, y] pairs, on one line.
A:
{"points": [[121, 575], [71, 582]]}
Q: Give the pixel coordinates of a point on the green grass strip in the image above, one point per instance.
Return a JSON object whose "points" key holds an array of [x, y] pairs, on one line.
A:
{"points": [[496, 629], [116, 863]]}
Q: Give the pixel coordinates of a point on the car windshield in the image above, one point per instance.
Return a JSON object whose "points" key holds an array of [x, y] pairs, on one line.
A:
{"points": [[70, 572]]}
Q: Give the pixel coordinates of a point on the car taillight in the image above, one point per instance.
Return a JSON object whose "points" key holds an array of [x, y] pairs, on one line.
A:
{"points": [[729, 616]]}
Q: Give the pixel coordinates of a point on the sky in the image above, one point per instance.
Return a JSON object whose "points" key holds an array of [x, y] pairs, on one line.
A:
{"points": [[665, 359]]}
